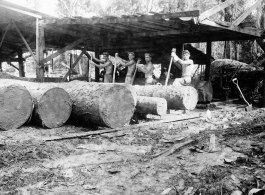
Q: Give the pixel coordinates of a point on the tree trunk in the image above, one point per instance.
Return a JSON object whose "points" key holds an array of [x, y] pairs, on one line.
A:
{"points": [[177, 97], [101, 104], [151, 105], [52, 105], [16, 106]]}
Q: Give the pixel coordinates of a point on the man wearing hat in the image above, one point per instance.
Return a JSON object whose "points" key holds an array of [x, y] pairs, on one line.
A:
{"points": [[107, 64], [186, 65], [147, 69], [131, 64]]}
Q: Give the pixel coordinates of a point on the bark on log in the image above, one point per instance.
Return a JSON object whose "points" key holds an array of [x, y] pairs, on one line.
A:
{"points": [[185, 97], [16, 106], [52, 105], [101, 104], [151, 105], [110, 105]]}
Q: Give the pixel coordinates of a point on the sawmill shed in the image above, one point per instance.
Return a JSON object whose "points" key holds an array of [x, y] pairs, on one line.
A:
{"points": [[27, 30]]}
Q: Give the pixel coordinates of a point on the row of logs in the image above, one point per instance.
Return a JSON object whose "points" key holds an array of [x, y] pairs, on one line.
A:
{"points": [[111, 105]]}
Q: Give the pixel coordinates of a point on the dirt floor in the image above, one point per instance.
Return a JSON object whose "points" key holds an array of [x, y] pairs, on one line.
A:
{"points": [[180, 153]]}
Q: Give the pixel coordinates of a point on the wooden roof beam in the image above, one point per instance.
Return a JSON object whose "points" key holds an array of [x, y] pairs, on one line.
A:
{"points": [[216, 9], [156, 23], [161, 33], [246, 13], [246, 30], [21, 11], [194, 13], [117, 28], [60, 30]]}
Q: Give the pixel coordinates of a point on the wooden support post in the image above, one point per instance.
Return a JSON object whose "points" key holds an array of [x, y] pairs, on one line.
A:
{"points": [[20, 63], [96, 68], [71, 64], [263, 103], [40, 47], [88, 70], [208, 60], [1, 60], [52, 61]]}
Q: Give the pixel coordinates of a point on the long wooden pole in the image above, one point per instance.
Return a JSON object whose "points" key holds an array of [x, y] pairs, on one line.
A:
{"points": [[25, 42], [114, 72], [4, 35], [134, 75], [168, 72]]}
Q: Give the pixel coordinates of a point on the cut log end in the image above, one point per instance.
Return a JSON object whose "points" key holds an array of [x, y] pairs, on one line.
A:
{"points": [[55, 107], [16, 106], [116, 106]]}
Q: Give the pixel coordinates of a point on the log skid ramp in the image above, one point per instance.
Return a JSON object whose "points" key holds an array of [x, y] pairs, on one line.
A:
{"points": [[16, 106]]}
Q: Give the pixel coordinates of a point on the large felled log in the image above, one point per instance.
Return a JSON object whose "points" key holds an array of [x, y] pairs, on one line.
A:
{"points": [[16, 106], [52, 105], [101, 104], [151, 105], [110, 105], [185, 97]]}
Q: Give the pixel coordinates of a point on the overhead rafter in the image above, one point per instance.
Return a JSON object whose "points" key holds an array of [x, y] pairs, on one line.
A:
{"points": [[160, 33], [216, 9], [194, 13], [4, 35], [246, 30], [21, 11], [246, 13]]}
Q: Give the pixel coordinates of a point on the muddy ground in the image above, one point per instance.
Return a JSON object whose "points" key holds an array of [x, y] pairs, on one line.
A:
{"points": [[139, 159]]}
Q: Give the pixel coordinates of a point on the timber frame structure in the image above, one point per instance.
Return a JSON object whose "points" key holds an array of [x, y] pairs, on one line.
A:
{"points": [[24, 29]]}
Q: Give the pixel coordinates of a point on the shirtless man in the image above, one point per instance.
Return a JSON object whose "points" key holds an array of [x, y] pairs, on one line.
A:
{"points": [[186, 65], [147, 69], [107, 64], [131, 64]]}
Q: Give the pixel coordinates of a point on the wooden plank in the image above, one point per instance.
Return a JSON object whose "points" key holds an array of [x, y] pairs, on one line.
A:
{"points": [[164, 24], [4, 35], [26, 9], [245, 30], [60, 30], [21, 11], [74, 64], [216, 9], [14, 66], [261, 43], [68, 47], [246, 13], [161, 33], [208, 60], [194, 13], [25, 42]]}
